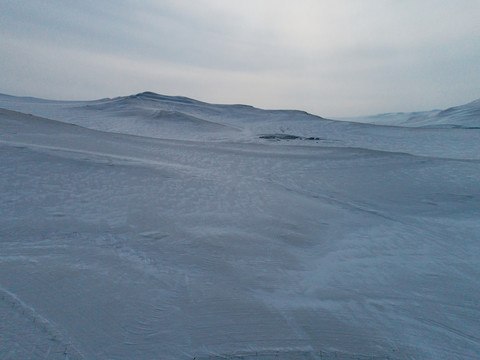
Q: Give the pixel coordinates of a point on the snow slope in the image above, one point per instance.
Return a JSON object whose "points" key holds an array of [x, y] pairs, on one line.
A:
{"points": [[464, 116], [200, 239]]}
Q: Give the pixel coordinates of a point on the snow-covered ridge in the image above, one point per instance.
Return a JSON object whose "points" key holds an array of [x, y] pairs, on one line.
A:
{"points": [[180, 118], [161, 116], [463, 116], [148, 95]]}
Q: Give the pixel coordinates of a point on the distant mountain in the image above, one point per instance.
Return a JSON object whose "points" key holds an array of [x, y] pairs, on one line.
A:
{"points": [[464, 116]]}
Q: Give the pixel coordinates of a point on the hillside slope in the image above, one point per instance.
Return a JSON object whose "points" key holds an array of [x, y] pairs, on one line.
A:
{"points": [[464, 116]]}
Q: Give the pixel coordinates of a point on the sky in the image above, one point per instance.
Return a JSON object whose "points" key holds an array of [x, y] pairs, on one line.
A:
{"points": [[333, 58]]}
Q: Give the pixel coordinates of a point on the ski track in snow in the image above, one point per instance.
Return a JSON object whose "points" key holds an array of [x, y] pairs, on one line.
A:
{"points": [[193, 238], [29, 335]]}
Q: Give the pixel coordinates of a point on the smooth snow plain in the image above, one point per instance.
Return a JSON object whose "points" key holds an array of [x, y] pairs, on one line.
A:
{"points": [[156, 227]]}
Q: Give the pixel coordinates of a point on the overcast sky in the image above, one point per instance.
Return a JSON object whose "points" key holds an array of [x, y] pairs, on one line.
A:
{"points": [[329, 57]]}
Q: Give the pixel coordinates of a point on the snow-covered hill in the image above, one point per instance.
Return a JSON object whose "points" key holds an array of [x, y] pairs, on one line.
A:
{"points": [[155, 227], [180, 118], [464, 116]]}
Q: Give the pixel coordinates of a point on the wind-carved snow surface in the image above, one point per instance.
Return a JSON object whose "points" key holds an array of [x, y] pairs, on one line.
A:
{"points": [[167, 228]]}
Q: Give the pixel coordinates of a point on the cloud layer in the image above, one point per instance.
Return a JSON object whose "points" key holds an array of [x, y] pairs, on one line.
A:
{"points": [[332, 58]]}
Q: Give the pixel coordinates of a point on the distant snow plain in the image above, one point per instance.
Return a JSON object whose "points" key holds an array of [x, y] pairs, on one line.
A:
{"points": [[157, 227]]}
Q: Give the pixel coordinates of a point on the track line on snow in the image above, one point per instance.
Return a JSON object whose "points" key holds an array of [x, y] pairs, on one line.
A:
{"points": [[41, 323], [332, 200], [450, 329], [137, 161]]}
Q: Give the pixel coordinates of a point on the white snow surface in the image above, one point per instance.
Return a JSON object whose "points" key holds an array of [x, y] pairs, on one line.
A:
{"points": [[156, 227], [464, 116]]}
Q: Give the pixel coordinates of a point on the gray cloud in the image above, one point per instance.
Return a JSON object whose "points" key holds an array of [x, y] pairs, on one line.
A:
{"points": [[333, 58]]}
